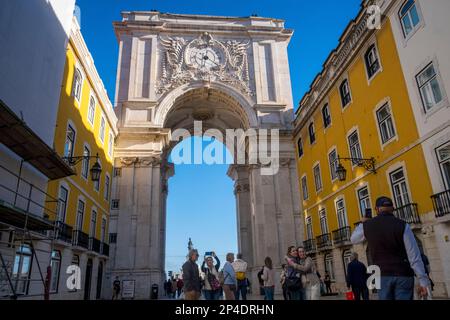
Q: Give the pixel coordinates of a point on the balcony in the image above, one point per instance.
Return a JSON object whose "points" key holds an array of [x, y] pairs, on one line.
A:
{"points": [[408, 213], [441, 203], [63, 232], [324, 242], [104, 249], [80, 239], [310, 246], [341, 237], [94, 245]]}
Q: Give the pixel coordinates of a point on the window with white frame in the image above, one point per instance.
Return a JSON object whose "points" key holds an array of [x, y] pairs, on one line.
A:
{"points": [[312, 134], [77, 84], [103, 231], [22, 269], [102, 129], [97, 183], [62, 203], [355, 147], [409, 17], [372, 61], [429, 87], [443, 154], [344, 90], [323, 221], [91, 110], [69, 145], [334, 163], [364, 200], [341, 213], [329, 265], [346, 259], [55, 264], [326, 116], [110, 145], [300, 147], [309, 228], [80, 215], [400, 188], [385, 123], [305, 188], [93, 227], [317, 177], [107, 186], [85, 163]]}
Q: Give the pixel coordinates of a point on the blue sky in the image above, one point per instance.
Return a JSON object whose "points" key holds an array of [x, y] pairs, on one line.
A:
{"points": [[198, 193]]}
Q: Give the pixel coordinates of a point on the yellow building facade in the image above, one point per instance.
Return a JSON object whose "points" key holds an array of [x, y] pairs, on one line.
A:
{"points": [[358, 107], [86, 127]]}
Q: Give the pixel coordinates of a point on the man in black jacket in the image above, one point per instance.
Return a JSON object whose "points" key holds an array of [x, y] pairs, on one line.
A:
{"points": [[191, 277], [357, 278]]}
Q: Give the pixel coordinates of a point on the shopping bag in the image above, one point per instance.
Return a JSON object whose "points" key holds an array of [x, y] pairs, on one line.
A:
{"points": [[349, 295]]}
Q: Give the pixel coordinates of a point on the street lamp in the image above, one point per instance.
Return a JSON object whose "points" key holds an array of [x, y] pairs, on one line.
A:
{"points": [[368, 164], [96, 169]]}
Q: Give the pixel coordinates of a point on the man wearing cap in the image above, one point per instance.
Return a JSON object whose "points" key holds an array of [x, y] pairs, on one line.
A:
{"points": [[394, 249]]}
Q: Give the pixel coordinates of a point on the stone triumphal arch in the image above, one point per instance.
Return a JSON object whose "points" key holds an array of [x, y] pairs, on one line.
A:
{"points": [[227, 72]]}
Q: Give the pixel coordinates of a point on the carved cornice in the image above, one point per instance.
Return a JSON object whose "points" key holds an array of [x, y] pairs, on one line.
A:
{"points": [[140, 162], [240, 188]]}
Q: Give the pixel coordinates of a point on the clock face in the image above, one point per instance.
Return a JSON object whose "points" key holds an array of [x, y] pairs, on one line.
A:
{"points": [[206, 58]]}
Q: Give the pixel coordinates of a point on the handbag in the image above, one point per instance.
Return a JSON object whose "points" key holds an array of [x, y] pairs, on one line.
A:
{"points": [[349, 295], [293, 283]]}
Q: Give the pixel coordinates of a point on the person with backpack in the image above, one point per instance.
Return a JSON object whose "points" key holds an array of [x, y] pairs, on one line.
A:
{"points": [[293, 276], [261, 282], [240, 268], [212, 284], [310, 280]]}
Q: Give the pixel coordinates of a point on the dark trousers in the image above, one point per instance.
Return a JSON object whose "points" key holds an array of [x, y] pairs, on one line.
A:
{"points": [[360, 292], [328, 286], [285, 293], [241, 290]]}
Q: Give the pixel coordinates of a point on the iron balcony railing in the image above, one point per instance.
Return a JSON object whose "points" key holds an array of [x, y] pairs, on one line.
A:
{"points": [[94, 244], [408, 213], [63, 232], [310, 245], [441, 203], [104, 249], [324, 241], [341, 235], [80, 239]]}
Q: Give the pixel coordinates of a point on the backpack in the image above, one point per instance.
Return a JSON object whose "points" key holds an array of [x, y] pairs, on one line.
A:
{"points": [[240, 276]]}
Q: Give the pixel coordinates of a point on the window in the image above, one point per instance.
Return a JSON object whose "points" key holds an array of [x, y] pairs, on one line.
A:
{"points": [[372, 61], [326, 116], [300, 147], [85, 164], [317, 177], [115, 204], [309, 228], [364, 200], [110, 145], [22, 269], [344, 90], [113, 238], [323, 221], [117, 172], [409, 17], [341, 214], [97, 184], [429, 87], [103, 230], [102, 129], [91, 110], [334, 163], [346, 258], [444, 162], [305, 188], [106, 191], [399, 188], [62, 203], [80, 215], [77, 84], [385, 123], [55, 268], [75, 260], [70, 141], [93, 224], [312, 135], [329, 265], [355, 148]]}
